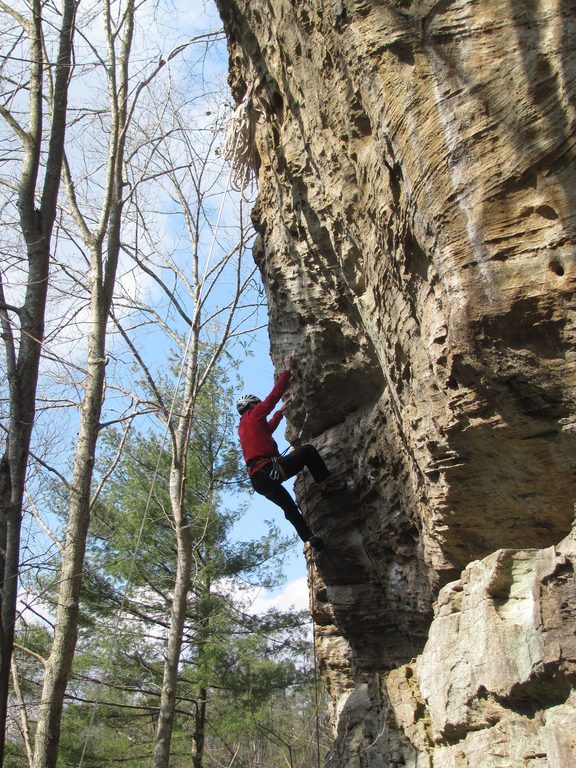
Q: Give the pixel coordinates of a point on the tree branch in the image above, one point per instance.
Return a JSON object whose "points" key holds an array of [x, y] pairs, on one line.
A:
{"points": [[15, 125], [24, 724]]}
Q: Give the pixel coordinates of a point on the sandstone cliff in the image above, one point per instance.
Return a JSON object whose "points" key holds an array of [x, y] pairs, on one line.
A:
{"points": [[417, 219]]}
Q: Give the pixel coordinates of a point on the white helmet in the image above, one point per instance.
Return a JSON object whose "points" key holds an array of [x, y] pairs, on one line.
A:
{"points": [[245, 401]]}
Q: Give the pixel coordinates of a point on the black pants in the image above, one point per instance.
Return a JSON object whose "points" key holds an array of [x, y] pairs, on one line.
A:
{"points": [[304, 456]]}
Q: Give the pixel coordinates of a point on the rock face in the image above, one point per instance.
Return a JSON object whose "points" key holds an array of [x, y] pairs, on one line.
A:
{"points": [[495, 682], [417, 185]]}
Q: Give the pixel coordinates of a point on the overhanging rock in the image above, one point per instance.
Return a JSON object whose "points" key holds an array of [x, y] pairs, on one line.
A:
{"points": [[417, 222]]}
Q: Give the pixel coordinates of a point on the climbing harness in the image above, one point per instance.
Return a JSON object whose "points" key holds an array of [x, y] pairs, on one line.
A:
{"points": [[276, 473], [240, 140]]}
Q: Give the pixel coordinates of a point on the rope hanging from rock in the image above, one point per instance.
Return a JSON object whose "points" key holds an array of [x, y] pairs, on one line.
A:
{"points": [[239, 142]]}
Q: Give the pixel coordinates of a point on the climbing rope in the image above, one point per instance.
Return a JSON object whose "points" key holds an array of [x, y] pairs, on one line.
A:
{"points": [[316, 699], [313, 601], [240, 140]]}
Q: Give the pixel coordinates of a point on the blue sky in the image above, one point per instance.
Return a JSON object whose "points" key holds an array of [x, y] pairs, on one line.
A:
{"points": [[177, 19]]}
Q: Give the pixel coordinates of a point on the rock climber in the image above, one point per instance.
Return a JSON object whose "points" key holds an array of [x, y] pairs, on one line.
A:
{"points": [[266, 467]]}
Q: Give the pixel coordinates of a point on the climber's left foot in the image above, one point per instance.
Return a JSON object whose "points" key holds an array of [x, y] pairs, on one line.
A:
{"points": [[316, 542]]}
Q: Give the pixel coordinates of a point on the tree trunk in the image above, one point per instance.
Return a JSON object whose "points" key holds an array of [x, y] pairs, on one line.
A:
{"points": [[24, 721], [60, 660], [23, 357], [177, 614], [59, 663], [104, 244], [200, 728]]}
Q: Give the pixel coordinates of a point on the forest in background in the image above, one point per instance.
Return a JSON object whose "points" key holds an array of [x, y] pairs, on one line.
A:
{"points": [[127, 296]]}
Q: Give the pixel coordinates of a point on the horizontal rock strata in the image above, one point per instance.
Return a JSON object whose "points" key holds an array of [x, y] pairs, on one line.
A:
{"points": [[417, 220]]}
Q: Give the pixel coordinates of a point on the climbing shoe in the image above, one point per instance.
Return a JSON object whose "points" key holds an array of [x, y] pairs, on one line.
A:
{"points": [[316, 542], [333, 489]]}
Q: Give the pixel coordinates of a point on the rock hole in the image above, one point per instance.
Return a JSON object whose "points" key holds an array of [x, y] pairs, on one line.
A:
{"points": [[402, 51], [556, 268], [278, 105], [362, 124], [547, 212], [341, 20], [395, 182]]}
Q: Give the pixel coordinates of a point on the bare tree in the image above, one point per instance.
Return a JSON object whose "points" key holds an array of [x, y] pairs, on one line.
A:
{"points": [[100, 228], [36, 189], [103, 223], [212, 318]]}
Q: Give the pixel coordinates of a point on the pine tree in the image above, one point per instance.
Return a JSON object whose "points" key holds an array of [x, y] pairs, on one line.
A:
{"points": [[234, 665]]}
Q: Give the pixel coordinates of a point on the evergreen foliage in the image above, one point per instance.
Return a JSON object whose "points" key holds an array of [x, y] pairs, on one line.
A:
{"points": [[245, 686]]}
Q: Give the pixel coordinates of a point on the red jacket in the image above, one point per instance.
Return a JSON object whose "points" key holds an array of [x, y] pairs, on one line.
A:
{"points": [[255, 431]]}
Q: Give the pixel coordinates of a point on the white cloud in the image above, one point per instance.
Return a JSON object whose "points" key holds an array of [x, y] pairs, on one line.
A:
{"points": [[294, 596]]}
